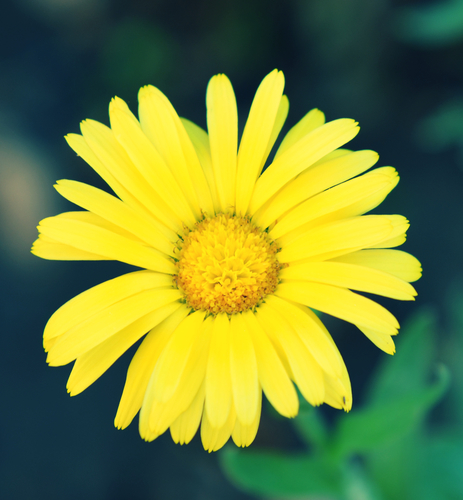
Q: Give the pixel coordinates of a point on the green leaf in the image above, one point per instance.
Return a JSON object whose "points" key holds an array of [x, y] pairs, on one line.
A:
{"points": [[438, 469], [408, 370], [376, 425], [310, 425], [423, 467], [281, 475]]}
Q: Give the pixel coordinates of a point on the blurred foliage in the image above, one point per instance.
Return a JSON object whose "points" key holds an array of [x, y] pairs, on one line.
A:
{"points": [[435, 24], [432, 27], [137, 52], [443, 128], [384, 450]]}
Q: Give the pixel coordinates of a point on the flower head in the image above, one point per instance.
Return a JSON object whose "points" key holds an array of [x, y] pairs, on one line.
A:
{"points": [[233, 261]]}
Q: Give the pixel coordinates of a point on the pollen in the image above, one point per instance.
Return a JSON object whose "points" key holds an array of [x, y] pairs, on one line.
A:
{"points": [[226, 264]]}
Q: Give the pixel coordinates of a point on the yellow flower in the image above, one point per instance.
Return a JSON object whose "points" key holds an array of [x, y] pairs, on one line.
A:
{"points": [[234, 260]]}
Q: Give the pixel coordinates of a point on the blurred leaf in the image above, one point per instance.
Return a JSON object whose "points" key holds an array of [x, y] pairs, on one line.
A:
{"points": [[438, 474], [443, 127], [440, 23], [359, 485], [373, 426], [310, 425], [281, 475], [408, 370], [137, 52], [423, 468]]}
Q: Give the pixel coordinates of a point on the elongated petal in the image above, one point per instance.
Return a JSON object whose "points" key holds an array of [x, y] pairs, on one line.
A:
{"points": [[175, 356], [244, 435], [48, 248], [311, 332], [280, 119], [337, 238], [379, 338], [161, 124], [256, 137], [165, 413], [243, 369], [108, 150], [99, 298], [214, 438], [330, 171], [200, 141], [186, 425], [312, 120], [337, 198], [91, 365], [340, 303], [400, 264], [79, 145], [117, 212], [299, 157], [307, 372], [95, 239], [338, 391], [218, 379], [104, 324], [351, 276], [142, 367], [148, 162], [222, 125], [272, 374]]}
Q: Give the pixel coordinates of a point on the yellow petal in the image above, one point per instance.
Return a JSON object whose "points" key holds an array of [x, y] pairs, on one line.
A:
{"points": [[200, 141], [280, 119], [244, 435], [337, 198], [158, 413], [214, 438], [351, 276], [338, 391], [222, 125], [108, 150], [300, 156], [174, 358], [400, 264], [312, 120], [91, 365], [332, 169], [117, 212], [148, 162], [142, 367], [243, 369], [307, 372], [100, 297], [48, 248], [311, 332], [272, 374], [335, 238], [186, 425], [340, 303], [256, 137], [380, 339], [79, 145], [161, 124], [105, 323], [98, 240], [218, 378]]}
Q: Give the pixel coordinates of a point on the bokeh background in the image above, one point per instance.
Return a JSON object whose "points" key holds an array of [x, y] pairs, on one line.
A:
{"points": [[396, 66]]}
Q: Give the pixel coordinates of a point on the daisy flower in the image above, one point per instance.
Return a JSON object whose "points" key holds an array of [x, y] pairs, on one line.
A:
{"points": [[234, 260]]}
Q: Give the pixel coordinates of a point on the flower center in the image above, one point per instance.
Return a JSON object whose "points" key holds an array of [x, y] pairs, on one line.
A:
{"points": [[226, 264]]}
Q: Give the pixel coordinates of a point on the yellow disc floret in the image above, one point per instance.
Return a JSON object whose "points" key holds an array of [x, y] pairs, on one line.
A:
{"points": [[226, 264]]}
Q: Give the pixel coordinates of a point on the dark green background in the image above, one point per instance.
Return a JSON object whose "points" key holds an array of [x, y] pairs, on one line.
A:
{"points": [[394, 66]]}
